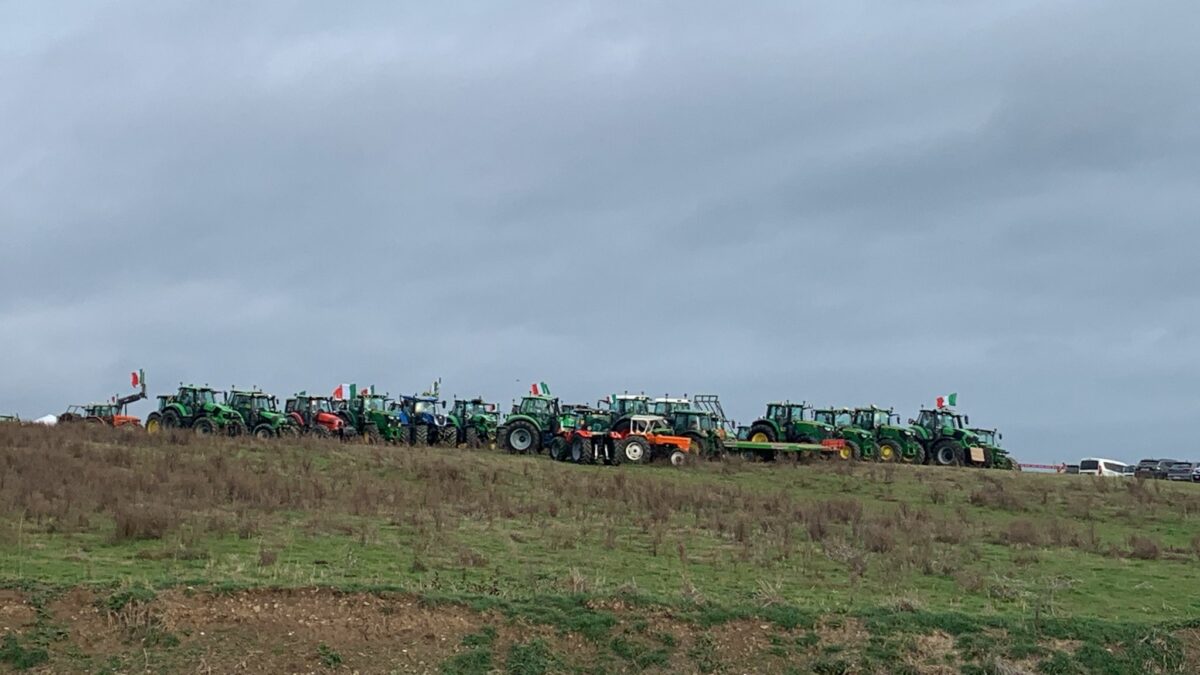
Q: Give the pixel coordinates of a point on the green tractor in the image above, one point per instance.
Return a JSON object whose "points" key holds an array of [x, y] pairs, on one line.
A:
{"points": [[701, 427], [195, 408], [947, 440], [998, 457], [372, 418], [896, 443], [260, 411], [473, 422], [789, 423], [534, 424], [859, 443]]}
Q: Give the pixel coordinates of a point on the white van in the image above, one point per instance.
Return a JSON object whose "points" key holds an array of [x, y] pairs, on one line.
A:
{"points": [[1098, 466]]}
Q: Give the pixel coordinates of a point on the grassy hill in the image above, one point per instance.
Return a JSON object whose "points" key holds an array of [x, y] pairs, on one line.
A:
{"points": [[125, 552]]}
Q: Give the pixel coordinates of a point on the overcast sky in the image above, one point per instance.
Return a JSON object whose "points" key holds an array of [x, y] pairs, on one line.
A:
{"points": [[841, 202]]}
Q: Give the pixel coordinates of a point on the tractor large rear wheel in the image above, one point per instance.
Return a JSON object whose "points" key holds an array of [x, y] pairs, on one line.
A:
{"points": [[320, 431], [761, 433], [371, 435], [264, 432], [472, 438], [235, 428], [521, 437], [421, 435], [890, 451], [634, 449], [947, 453], [448, 436], [170, 420], [154, 423]]}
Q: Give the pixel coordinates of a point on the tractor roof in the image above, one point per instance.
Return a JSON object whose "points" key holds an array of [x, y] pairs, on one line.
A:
{"points": [[647, 418], [249, 392], [875, 408], [668, 399], [790, 403]]}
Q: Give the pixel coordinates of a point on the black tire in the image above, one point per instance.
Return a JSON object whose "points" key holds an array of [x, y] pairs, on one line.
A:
{"points": [[472, 438], [521, 438], [235, 428], [204, 427], [558, 449], [320, 431], [635, 449], [154, 423], [764, 430], [678, 458], [349, 433], [264, 432], [371, 435], [697, 444], [421, 435], [170, 419], [609, 451], [850, 453], [448, 436], [890, 451], [947, 453], [581, 451]]}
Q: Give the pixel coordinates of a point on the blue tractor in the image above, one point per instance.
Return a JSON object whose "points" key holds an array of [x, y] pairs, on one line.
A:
{"points": [[424, 424]]}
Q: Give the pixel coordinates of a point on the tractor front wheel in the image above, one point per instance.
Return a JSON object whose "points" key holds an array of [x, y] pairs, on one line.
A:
{"points": [[153, 423], [581, 453], [235, 428], [448, 436], [521, 438], [634, 449], [890, 451], [170, 420], [320, 431], [761, 433], [421, 435], [264, 432], [678, 458], [947, 453], [204, 427], [472, 438], [849, 451]]}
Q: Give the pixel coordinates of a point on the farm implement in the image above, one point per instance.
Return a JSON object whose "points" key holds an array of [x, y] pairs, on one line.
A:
{"points": [[196, 408], [113, 413]]}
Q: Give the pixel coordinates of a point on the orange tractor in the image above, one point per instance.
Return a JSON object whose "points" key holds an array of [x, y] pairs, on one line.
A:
{"points": [[113, 413], [642, 438]]}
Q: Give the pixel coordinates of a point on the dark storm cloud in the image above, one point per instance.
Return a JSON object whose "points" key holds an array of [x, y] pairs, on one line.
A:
{"points": [[850, 203]]}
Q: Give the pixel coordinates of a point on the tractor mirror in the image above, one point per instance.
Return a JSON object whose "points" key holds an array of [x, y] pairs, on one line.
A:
{"points": [[1000, 436], [967, 419], [911, 421], [443, 405]]}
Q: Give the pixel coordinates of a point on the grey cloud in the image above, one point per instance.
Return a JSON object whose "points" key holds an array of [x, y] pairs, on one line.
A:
{"points": [[848, 203]]}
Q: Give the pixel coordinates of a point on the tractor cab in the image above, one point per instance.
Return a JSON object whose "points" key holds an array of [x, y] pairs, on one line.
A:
{"points": [[873, 418], [666, 406], [942, 422], [621, 407], [834, 417], [466, 409]]}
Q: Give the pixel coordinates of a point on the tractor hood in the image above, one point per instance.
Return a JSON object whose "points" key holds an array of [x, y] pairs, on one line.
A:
{"points": [[907, 432]]}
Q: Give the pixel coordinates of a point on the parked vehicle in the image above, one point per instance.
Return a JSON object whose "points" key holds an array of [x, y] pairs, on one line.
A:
{"points": [[193, 407], [1181, 471], [317, 416], [1071, 468], [1196, 474], [1154, 468], [1098, 466], [1129, 472], [260, 411]]}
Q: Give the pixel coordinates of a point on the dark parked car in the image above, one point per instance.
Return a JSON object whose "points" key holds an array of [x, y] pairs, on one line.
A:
{"points": [[1181, 471], [1072, 468], [1154, 468]]}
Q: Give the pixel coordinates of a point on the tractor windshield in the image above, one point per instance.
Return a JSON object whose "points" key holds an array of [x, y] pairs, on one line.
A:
{"points": [[322, 405], [477, 409], [950, 420], [986, 437], [796, 412], [535, 406], [842, 419], [865, 419], [824, 416], [374, 403], [205, 397], [425, 407]]}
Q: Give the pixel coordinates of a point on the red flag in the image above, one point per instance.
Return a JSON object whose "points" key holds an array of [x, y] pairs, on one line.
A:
{"points": [[133, 377]]}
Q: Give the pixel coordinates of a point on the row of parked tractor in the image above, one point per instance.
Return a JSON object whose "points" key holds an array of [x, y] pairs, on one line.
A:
{"points": [[621, 428]]}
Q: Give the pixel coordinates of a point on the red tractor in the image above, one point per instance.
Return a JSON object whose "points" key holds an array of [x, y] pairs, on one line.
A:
{"points": [[316, 415]]}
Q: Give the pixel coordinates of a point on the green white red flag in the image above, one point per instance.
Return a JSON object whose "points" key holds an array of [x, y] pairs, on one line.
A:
{"points": [[947, 401]]}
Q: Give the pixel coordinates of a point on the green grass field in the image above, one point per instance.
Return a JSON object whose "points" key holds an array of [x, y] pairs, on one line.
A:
{"points": [[520, 564]]}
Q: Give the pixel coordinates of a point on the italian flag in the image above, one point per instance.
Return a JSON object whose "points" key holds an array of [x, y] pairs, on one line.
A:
{"points": [[137, 377], [346, 391], [949, 400], [540, 389]]}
